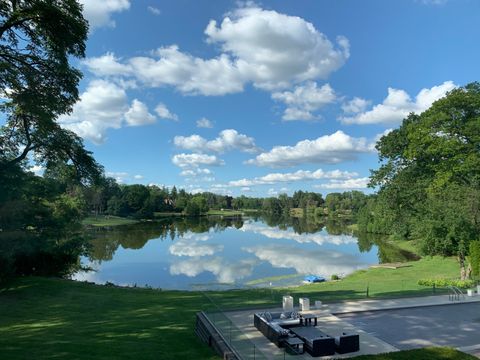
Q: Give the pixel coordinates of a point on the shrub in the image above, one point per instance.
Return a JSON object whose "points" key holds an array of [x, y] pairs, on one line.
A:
{"points": [[462, 284], [474, 257], [335, 277]]}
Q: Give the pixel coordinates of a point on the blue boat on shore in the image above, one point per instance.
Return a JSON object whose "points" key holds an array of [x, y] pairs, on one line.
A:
{"points": [[313, 279]]}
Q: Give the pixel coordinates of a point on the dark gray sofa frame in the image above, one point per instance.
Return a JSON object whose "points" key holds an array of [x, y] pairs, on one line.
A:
{"points": [[347, 343], [316, 342]]}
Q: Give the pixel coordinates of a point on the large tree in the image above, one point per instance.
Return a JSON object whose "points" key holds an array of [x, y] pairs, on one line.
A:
{"points": [[38, 38], [429, 180], [40, 217]]}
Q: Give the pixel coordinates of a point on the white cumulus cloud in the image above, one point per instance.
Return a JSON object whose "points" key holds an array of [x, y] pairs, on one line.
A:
{"points": [[138, 114], [119, 176], [153, 10], [265, 48], [196, 160], [102, 106], [300, 175], [396, 106], [358, 183], [107, 65], [227, 140], [356, 105], [163, 112], [273, 49], [195, 172], [98, 13], [204, 123], [328, 149], [304, 100]]}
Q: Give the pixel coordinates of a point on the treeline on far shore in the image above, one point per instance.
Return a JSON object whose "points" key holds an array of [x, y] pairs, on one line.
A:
{"points": [[144, 202]]}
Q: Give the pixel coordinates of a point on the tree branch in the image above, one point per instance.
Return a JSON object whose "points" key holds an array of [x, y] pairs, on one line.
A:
{"points": [[9, 24]]}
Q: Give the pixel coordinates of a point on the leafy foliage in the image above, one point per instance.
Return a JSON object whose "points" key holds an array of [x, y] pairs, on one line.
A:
{"points": [[462, 284], [474, 257], [429, 178], [40, 217], [37, 40], [40, 229]]}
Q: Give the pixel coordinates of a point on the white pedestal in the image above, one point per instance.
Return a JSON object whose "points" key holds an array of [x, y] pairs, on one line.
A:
{"points": [[304, 304], [287, 303], [318, 304], [478, 289], [470, 292]]}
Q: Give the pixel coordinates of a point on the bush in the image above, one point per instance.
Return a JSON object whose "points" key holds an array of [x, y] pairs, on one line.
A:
{"points": [[474, 257], [335, 277], [462, 284]]}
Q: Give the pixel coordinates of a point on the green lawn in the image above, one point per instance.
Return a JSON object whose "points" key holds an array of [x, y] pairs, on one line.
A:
{"points": [[107, 221], [225, 212], [65, 319], [408, 245], [167, 214], [423, 354], [57, 319], [380, 282]]}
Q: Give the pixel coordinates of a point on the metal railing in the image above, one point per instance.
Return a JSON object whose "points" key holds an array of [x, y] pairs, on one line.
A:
{"points": [[237, 340], [219, 309], [455, 294]]}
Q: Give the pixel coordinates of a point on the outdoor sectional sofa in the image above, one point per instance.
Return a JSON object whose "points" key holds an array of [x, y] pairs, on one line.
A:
{"points": [[280, 327], [317, 343], [274, 326], [347, 343]]}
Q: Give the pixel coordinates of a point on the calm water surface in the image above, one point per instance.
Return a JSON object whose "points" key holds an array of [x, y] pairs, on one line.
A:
{"points": [[213, 253]]}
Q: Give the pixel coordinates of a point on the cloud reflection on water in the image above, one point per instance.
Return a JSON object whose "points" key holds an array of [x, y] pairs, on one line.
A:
{"points": [[319, 238], [317, 262], [224, 271], [193, 245]]}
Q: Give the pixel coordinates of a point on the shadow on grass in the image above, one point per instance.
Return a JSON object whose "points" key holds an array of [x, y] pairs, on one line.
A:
{"points": [[62, 319], [424, 354]]}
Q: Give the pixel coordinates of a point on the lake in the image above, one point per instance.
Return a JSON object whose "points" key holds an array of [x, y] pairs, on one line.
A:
{"points": [[224, 253]]}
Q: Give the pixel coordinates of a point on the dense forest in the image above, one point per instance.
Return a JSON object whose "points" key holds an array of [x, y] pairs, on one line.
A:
{"points": [[143, 202], [429, 179], [427, 185]]}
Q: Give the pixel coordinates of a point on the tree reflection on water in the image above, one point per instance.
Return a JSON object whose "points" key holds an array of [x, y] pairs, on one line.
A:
{"points": [[105, 241]]}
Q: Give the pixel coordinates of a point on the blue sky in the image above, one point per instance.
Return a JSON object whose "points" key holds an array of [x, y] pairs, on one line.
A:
{"points": [[259, 98]]}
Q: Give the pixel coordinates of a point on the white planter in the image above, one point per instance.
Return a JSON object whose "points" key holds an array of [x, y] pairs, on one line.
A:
{"points": [[304, 304], [478, 289], [287, 303], [470, 292], [318, 304]]}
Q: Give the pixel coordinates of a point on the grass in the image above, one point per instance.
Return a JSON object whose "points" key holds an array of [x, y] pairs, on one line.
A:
{"points": [[381, 283], [225, 212], [424, 354], [65, 319], [51, 318], [271, 279], [408, 245], [107, 221], [167, 214]]}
